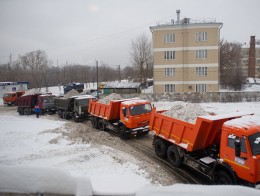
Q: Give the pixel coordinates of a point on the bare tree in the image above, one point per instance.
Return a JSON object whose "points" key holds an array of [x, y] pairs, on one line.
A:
{"points": [[36, 62], [141, 56], [231, 74]]}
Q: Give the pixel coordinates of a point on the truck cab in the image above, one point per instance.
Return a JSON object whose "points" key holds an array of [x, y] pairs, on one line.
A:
{"points": [[81, 104], [135, 115], [10, 97], [240, 149], [46, 103]]}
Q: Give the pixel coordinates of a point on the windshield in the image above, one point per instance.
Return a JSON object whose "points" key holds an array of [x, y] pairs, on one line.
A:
{"points": [[140, 109], [83, 102], [8, 95], [48, 99], [254, 141]]}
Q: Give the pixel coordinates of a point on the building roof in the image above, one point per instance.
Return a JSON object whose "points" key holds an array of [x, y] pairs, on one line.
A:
{"points": [[187, 23]]}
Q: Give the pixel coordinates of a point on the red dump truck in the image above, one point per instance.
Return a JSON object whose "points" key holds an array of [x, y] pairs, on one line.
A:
{"points": [[224, 148], [25, 104], [128, 116]]}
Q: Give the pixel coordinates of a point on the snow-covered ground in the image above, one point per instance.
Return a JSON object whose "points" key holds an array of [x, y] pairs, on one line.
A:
{"points": [[29, 147]]}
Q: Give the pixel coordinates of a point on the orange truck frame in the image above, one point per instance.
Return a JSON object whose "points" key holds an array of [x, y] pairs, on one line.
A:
{"points": [[224, 148], [128, 117]]}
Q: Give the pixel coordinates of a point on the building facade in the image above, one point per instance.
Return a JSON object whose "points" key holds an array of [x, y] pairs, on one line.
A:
{"points": [[186, 56], [251, 58]]}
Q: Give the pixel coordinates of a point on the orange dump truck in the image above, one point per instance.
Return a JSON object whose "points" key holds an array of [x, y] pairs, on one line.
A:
{"points": [[224, 148], [10, 97], [128, 116]]}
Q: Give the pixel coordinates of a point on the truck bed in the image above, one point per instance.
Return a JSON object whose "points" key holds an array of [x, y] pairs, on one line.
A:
{"points": [[61, 103], [107, 111], [205, 132], [26, 101]]}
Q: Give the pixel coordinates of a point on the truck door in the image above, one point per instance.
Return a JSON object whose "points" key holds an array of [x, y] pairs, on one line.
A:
{"points": [[125, 115], [239, 164]]}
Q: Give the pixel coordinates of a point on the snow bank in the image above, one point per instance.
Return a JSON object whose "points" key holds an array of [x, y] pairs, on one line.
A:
{"points": [[197, 190], [186, 111], [17, 179], [110, 97]]}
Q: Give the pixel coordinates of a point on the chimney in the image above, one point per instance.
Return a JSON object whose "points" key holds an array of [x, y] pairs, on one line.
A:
{"points": [[178, 16], [251, 60]]}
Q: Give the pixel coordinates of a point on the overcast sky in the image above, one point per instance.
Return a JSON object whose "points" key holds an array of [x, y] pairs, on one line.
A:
{"points": [[80, 31]]}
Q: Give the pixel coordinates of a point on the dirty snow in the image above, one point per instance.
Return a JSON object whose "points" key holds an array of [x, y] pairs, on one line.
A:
{"points": [[186, 111], [71, 93], [110, 97]]}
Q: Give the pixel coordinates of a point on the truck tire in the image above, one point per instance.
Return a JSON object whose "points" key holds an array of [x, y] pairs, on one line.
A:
{"points": [[26, 111], [75, 117], [222, 177], [21, 111], [94, 122], [174, 157], [60, 113], [123, 133], [65, 115], [160, 148], [101, 125]]}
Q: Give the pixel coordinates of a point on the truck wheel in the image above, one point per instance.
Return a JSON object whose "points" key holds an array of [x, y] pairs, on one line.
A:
{"points": [[21, 111], [60, 113], [94, 122], [25, 111], [64, 115], [222, 177], [174, 156], [75, 117], [122, 133], [160, 148], [101, 125], [146, 132]]}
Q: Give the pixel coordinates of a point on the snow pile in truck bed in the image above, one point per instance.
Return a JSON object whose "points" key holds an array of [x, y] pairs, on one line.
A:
{"points": [[110, 97], [32, 91], [186, 111], [71, 93]]}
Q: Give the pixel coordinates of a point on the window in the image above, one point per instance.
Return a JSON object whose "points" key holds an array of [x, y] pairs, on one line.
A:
{"points": [[201, 88], [257, 61], [201, 36], [169, 88], [140, 109], [245, 61], [169, 72], [201, 54], [231, 142], [254, 141], [245, 52], [169, 55], [201, 71], [169, 38]]}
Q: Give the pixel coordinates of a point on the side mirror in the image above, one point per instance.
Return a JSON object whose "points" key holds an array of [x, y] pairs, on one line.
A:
{"points": [[237, 148]]}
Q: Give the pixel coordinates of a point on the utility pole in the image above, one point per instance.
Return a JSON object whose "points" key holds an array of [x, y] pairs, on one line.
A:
{"points": [[97, 79], [119, 73]]}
